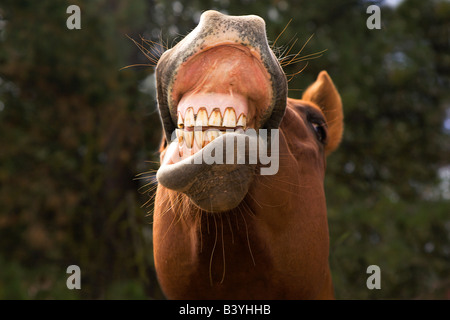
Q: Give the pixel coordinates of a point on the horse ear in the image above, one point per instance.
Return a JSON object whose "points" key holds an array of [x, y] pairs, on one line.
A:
{"points": [[324, 94]]}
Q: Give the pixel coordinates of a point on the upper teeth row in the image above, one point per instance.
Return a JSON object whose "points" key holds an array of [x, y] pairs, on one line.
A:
{"points": [[215, 119], [194, 124]]}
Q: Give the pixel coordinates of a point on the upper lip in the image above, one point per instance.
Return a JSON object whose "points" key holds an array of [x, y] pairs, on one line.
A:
{"points": [[242, 86]]}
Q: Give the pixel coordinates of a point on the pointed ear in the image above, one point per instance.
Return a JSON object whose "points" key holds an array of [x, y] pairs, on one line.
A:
{"points": [[324, 94]]}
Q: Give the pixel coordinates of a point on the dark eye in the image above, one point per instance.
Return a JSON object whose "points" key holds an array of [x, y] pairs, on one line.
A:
{"points": [[321, 131]]}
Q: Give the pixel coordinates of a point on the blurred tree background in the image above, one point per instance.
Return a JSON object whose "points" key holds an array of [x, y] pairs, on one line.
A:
{"points": [[76, 129]]}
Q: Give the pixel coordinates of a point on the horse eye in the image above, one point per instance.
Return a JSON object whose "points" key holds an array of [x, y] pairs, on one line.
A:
{"points": [[321, 131]]}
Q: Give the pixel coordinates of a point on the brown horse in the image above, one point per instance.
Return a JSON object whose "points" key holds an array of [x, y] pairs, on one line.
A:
{"points": [[226, 230]]}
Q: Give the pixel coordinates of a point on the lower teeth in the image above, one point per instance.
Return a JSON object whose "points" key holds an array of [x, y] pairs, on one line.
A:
{"points": [[201, 137]]}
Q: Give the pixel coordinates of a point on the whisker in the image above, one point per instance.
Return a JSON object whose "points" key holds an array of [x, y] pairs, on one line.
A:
{"points": [[152, 161], [200, 230], [145, 51], [153, 45], [249, 210], [292, 89], [287, 53], [151, 184], [310, 56], [273, 44], [177, 200], [285, 49], [223, 252], [149, 173], [148, 201], [212, 254], [231, 228], [137, 65], [236, 218], [296, 73], [304, 45], [256, 201], [248, 238], [153, 54]]}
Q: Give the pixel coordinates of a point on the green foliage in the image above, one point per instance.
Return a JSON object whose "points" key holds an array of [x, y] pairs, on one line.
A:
{"points": [[73, 138], [408, 241], [76, 129]]}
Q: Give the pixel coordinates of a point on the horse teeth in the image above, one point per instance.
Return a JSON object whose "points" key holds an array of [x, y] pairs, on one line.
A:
{"points": [[212, 134], [189, 138], [202, 118], [180, 135], [242, 121], [194, 127], [189, 118], [198, 137], [180, 121], [229, 118], [215, 119]]}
